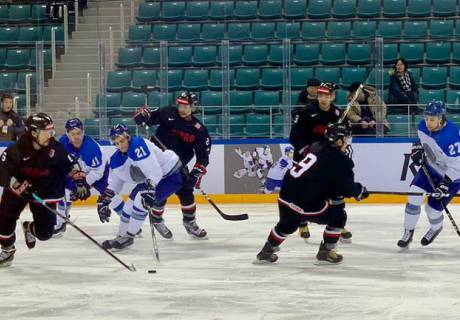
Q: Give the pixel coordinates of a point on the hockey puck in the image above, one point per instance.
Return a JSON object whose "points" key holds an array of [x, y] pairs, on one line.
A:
{"points": [[152, 271]]}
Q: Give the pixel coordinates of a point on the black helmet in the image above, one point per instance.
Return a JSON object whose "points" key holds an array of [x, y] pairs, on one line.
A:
{"points": [[336, 131], [39, 121], [187, 98], [332, 86]]}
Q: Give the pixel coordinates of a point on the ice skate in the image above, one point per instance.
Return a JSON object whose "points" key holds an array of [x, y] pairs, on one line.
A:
{"points": [[7, 256], [123, 242], [406, 239], [345, 236], [267, 254], [163, 230], [327, 256], [28, 235], [194, 230], [108, 244], [304, 232], [59, 232], [430, 236]]}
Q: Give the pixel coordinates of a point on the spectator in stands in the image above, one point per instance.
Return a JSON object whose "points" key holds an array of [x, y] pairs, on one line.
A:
{"points": [[309, 95], [11, 124], [403, 88], [362, 113]]}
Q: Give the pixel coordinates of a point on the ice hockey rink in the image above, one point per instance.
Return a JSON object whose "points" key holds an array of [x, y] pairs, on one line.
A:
{"points": [[70, 278]]}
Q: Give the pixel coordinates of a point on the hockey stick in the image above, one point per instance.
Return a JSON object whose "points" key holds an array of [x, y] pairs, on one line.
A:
{"points": [[351, 103], [154, 237], [131, 268], [429, 194], [433, 186]]}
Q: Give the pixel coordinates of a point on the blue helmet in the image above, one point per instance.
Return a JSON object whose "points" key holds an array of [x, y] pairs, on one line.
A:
{"points": [[435, 108], [288, 149], [73, 124], [118, 130]]}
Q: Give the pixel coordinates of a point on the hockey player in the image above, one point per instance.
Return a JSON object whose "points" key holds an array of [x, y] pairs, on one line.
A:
{"points": [[276, 173], [437, 149], [248, 164], [156, 175], [324, 174], [181, 132], [36, 163], [92, 162], [308, 127], [264, 162]]}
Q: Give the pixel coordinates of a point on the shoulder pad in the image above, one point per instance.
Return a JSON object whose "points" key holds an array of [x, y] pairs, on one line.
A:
{"points": [[117, 160], [138, 149]]}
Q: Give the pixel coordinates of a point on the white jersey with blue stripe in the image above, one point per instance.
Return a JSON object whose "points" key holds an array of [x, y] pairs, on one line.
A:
{"points": [[143, 161], [90, 157], [442, 148]]}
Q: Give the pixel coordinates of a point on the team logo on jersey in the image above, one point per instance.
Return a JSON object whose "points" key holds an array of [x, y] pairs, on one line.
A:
{"points": [[337, 112], [51, 153], [197, 125]]}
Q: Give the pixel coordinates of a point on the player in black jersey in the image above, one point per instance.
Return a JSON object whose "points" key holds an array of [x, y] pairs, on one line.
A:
{"points": [[181, 132], [324, 174], [36, 163]]}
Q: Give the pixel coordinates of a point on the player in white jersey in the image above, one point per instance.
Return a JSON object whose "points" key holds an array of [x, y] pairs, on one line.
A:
{"points": [[156, 174], [276, 173], [93, 163], [249, 166], [264, 162], [437, 149]]}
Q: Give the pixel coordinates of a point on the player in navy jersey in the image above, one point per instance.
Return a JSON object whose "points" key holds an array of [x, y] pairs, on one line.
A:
{"points": [[438, 148], [181, 132]]}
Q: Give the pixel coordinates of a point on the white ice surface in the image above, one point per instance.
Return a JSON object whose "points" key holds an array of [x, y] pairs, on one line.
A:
{"points": [[70, 278]]}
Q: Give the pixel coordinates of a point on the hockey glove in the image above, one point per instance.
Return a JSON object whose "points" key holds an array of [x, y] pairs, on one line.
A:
{"points": [[142, 115], [417, 154], [82, 189], [19, 188], [148, 195], [363, 193], [442, 190], [197, 174], [103, 202]]}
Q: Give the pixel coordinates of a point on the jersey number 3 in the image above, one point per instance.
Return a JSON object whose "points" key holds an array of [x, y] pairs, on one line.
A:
{"points": [[301, 167]]}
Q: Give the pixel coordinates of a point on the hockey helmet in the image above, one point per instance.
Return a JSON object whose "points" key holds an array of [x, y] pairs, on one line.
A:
{"points": [[74, 123], [435, 108], [119, 130], [324, 88], [336, 131], [332, 86], [187, 98], [39, 121], [288, 150]]}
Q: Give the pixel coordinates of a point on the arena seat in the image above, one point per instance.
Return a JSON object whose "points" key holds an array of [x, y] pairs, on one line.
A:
{"points": [[275, 56], [47, 60], [258, 125], [412, 52], [272, 79], [240, 101], [389, 29], [426, 96], [453, 101], [438, 52], [270, 9], [38, 13], [165, 32], [239, 31], [288, 30], [415, 29], [306, 54], [394, 8], [419, 8], [364, 29], [174, 79], [197, 10], [17, 58], [148, 11], [359, 53], [213, 31], [9, 35], [264, 101], [8, 81], [245, 10], [339, 30], [130, 101], [212, 102], [139, 33], [189, 31], [255, 55], [434, 77], [118, 81], [195, 80], [314, 30], [173, 10], [129, 57], [400, 124], [344, 9], [331, 74], [235, 55], [333, 54], [180, 56], [299, 77], [21, 84], [352, 74], [444, 8], [319, 9], [263, 31], [369, 8], [215, 79], [454, 77], [237, 125], [295, 9], [19, 13], [113, 102], [247, 79], [144, 78], [151, 57], [160, 99], [204, 56], [221, 10], [91, 126], [390, 52]]}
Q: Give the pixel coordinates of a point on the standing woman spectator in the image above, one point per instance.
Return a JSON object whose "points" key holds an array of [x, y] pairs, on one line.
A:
{"points": [[11, 124], [403, 88]]}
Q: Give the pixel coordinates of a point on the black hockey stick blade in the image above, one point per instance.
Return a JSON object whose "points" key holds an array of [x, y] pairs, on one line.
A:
{"points": [[233, 217], [131, 267]]}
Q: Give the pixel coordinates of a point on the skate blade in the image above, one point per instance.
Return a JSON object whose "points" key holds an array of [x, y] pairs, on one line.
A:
{"points": [[119, 250], [345, 241], [405, 249], [193, 237], [326, 263], [58, 235], [262, 262]]}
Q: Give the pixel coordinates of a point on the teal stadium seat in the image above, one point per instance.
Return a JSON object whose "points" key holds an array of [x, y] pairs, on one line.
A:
{"points": [[299, 78], [272, 79], [258, 125], [21, 84], [9, 35], [263, 31], [359, 53], [364, 29], [17, 58], [456, 52], [240, 102], [196, 80], [288, 30], [131, 101], [247, 79], [239, 31], [295, 9], [47, 62], [92, 127], [438, 52], [328, 74], [275, 56], [148, 11], [59, 32], [416, 73], [434, 77], [166, 32], [412, 52], [212, 123], [390, 53], [442, 28], [213, 31], [339, 30], [174, 79], [118, 81], [189, 32], [197, 10], [211, 102], [205, 56], [221, 10], [341, 97], [416, 29], [351, 75], [21, 105], [454, 79], [419, 8], [180, 56], [245, 10], [255, 55], [333, 53], [313, 30], [294, 96], [444, 8], [278, 126], [344, 9], [394, 8], [386, 78], [19, 13], [453, 101], [306, 54], [426, 96], [29, 35], [319, 9], [158, 99], [369, 8], [237, 125], [8, 81], [139, 33], [215, 79], [151, 57], [270, 9], [129, 57], [3, 13], [235, 54], [112, 101], [144, 79], [389, 29], [266, 102], [400, 124], [2, 57], [38, 13], [173, 10]]}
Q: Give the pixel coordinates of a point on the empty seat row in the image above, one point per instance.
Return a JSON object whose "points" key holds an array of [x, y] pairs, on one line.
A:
{"points": [[23, 13], [22, 58], [29, 35], [293, 9], [16, 81], [292, 30]]}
